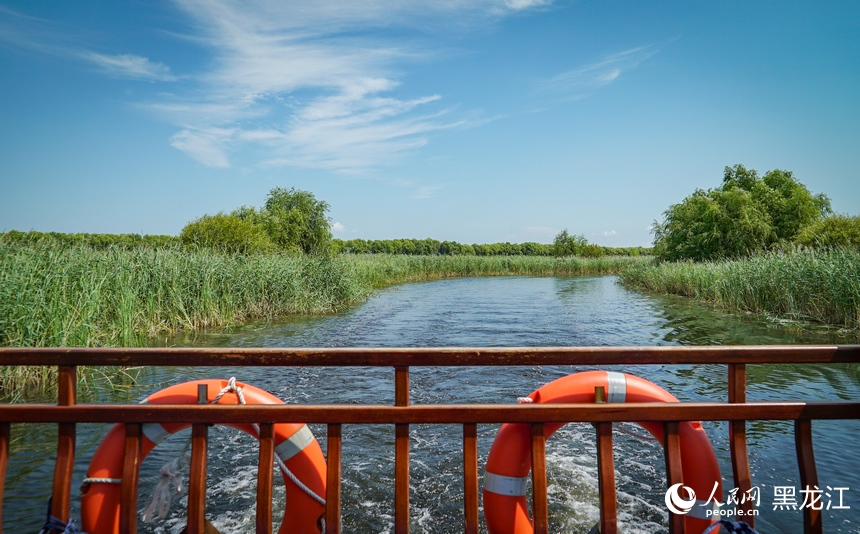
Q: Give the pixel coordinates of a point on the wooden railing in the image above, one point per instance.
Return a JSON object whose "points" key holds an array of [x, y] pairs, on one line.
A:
{"points": [[67, 413]]}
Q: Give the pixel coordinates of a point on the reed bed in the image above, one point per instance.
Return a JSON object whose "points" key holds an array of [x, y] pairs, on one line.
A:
{"points": [[56, 295], [381, 270], [811, 286]]}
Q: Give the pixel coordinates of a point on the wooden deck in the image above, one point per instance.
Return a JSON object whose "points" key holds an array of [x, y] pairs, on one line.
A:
{"points": [[736, 410]]}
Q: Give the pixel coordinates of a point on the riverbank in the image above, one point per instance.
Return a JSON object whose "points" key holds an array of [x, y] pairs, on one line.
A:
{"points": [[60, 295], [803, 285], [69, 295]]}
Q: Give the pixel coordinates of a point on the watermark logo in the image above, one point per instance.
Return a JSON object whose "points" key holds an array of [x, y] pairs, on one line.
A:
{"points": [[681, 499], [678, 504]]}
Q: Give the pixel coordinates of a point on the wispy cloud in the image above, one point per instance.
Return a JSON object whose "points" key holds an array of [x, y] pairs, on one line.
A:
{"points": [[311, 84], [584, 81], [303, 84], [427, 191], [31, 33], [209, 146], [130, 66]]}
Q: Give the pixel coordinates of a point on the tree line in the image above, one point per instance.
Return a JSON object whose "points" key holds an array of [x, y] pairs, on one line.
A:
{"points": [[747, 214], [96, 241], [433, 247]]}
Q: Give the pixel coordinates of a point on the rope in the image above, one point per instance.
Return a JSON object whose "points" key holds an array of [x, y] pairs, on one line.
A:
{"points": [[96, 480], [52, 524], [233, 388], [162, 497]]}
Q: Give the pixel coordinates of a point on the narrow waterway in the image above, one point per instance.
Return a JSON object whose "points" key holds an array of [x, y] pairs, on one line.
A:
{"points": [[509, 311]]}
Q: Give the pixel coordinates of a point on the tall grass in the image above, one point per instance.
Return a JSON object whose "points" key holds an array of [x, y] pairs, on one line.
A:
{"points": [[817, 286], [55, 295], [381, 270], [78, 296]]}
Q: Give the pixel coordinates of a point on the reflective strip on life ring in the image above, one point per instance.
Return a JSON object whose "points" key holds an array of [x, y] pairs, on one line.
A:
{"points": [[509, 463], [295, 445], [503, 485]]}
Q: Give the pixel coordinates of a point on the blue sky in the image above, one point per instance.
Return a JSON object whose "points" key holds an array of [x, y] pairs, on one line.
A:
{"points": [[475, 121]]}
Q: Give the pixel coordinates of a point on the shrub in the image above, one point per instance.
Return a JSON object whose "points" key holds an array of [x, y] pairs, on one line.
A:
{"points": [[747, 214], [228, 233], [834, 231]]}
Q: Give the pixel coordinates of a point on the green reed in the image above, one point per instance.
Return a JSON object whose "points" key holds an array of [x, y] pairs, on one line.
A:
{"points": [[381, 270], [54, 295], [816, 286]]}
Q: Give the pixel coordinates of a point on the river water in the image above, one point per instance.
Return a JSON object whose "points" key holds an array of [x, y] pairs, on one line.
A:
{"points": [[505, 311]]}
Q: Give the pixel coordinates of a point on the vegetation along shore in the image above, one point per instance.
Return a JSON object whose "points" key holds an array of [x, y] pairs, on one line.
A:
{"points": [[757, 244]]}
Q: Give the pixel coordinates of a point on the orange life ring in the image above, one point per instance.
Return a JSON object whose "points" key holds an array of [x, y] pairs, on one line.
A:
{"points": [[295, 445], [509, 463]]}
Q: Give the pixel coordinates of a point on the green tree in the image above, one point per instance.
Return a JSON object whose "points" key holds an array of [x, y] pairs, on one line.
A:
{"points": [[228, 233], [296, 220], [833, 231], [709, 225], [745, 215], [788, 203], [566, 244]]}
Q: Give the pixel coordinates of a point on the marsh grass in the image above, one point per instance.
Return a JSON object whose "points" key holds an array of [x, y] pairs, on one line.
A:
{"points": [[382, 270], [812, 286], [54, 295]]}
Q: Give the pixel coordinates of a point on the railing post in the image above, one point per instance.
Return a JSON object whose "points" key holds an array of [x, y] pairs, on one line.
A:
{"points": [[4, 462], [674, 474], [605, 471], [130, 477], [808, 473], [540, 502], [738, 440], [333, 474], [197, 475], [401, 454], [265, 474], [66, 396], [470, 477]]}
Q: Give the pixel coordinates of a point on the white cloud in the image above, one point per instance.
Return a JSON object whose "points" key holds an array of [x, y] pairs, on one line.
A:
{"points": [[47, 37], [428, 191], [584, 81], [526, 4], [609, 233], [131, 66], [311, 85], [208, 146], [338, 227]]}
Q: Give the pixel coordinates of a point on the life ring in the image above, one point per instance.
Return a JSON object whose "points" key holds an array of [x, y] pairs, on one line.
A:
{"points": [[295, 445], [509, 463]]}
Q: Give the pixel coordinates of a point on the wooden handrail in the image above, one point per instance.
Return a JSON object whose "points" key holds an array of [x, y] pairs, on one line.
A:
{"points": [[422, 357], [429, 413], [67, 413]]}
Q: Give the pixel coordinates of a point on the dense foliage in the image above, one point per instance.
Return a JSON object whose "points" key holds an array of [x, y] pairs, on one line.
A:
{"points": [[433, 247], [228, 233], [291, 221], [746, 215], [831, 232], [566, 244], [98, 241]]}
